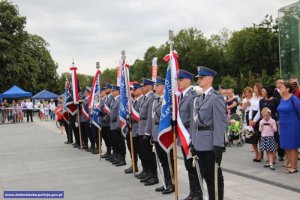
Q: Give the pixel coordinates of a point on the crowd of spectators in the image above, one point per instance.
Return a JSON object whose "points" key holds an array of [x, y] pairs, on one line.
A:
{"points": [[273, 113], [15, 110]]}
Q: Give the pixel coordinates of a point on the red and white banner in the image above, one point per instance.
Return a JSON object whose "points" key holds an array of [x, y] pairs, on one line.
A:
{"points": [[75, 88], [92, 94]]}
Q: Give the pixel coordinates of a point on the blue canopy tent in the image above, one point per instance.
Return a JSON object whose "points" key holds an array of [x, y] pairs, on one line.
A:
{"points": [[15, 92], [45, 94], [62, 95]]}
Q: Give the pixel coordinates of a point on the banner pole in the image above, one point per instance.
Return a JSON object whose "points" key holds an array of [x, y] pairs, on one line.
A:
{"points": [[99, 130], [171, 42], [123, 57], [79, 128]]}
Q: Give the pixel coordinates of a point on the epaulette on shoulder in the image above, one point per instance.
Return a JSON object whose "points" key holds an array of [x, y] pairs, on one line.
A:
{"points": [[217, 93]]}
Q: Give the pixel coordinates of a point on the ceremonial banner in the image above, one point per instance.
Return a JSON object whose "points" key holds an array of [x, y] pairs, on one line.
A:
{"points": [[124, 111], [94, 100], [75, 85], [69, 103], [165, 130], [165, 137]]}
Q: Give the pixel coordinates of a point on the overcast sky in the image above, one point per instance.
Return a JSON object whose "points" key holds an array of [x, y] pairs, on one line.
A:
{"points": [[97, 30]]}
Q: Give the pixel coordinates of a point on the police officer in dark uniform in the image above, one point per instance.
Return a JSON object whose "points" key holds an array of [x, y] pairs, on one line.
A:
{"points": [[95, 130], [135, 118], [185, 110], [154, 115], [67, 125], [85, 122], [75, 130], [208, 126], [105, 120], [147, 156], [118, 140]]}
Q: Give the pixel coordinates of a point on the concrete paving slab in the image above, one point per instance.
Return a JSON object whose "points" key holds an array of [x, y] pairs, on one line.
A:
{"points": [[34, 157]]}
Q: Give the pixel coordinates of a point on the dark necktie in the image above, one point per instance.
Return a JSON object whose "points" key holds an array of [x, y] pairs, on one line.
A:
{"points": [[203, 95], [134, 103], [112, 102], [181, 96]]}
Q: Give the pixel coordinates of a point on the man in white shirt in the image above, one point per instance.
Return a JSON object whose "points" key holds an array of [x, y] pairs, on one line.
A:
{"points": [[29, 110], [52, 108]]}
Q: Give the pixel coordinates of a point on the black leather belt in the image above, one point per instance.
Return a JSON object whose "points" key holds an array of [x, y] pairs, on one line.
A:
{"points": [[204, 128], [156, 123]]}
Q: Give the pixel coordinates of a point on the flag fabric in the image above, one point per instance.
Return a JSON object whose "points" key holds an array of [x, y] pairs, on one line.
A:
{"points": [[170, 111], [183, 135], [94, 100], [124, 110], [65, 112], [165, 129], [75, 85], [68, 101]]}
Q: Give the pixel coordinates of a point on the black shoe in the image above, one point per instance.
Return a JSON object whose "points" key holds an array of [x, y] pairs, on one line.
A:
{"points": [[109, 158], [121, 163], [256, 160], [129, 170], [84, 146], [116, 160], [145, 179], [152, 181], [67, 142], [190, 197], [197, 198], [280, 158], [160, 189], [169, 190], [95, 151], [113, 158], [90, 149], [142, 174], [75, 145], [106, 155]]}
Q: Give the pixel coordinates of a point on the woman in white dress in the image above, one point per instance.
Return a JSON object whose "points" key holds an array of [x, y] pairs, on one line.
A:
{"points": [[254, 118]]}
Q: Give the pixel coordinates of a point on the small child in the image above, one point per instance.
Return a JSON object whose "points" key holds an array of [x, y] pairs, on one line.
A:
{"points": [[46, 110], [59, 112], [267, 127], [234, 129]]}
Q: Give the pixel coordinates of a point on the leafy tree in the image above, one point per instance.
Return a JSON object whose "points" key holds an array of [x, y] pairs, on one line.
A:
{"points": [[12, 37], [229, 82], [108, 76], [24, 58]]}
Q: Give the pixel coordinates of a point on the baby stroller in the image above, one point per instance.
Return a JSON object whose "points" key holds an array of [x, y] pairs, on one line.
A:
{"points": [[235, 125]]}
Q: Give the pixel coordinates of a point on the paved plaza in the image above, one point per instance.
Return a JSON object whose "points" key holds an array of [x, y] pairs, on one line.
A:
{"points": [[33, 156]]}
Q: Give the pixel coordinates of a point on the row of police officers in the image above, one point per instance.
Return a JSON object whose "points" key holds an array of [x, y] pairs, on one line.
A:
{"points": [[203, 116]]}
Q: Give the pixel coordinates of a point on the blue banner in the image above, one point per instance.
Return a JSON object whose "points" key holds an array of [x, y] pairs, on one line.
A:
{"points": [[165, 127], [96, 104], [124, 104]]}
